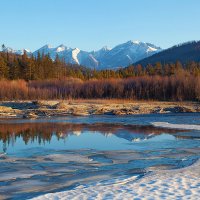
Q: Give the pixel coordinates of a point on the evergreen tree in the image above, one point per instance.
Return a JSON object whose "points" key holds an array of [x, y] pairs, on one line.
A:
{"points": [[3, 69], [158, 69]]}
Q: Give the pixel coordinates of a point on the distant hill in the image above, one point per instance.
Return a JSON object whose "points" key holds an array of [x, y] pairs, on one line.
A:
{"points": [[184, 53]]}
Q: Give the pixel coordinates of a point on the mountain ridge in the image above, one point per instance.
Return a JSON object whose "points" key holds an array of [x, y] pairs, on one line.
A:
{"points": [[121, 55], [184, 52]]}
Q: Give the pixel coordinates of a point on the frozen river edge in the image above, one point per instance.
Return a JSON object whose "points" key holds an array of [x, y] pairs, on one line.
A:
{"points": [[165, 184]]}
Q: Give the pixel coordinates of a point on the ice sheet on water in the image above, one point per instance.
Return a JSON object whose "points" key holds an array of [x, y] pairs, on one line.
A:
{"points": [[176, 126]]}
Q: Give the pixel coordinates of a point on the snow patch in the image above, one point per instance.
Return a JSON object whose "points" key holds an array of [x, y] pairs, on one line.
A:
{"points": [[177, 126], [61, 48], [150, 49], [164, 184], [136, 42], [75, 53]]}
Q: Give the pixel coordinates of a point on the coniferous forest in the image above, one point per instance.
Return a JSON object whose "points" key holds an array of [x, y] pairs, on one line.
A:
{"points": [[23, 77]]}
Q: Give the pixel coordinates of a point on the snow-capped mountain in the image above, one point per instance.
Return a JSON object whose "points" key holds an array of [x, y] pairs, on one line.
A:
{"points": [[106, 58], [74, 56], [18, 52], [120, 56], [125, 54]]}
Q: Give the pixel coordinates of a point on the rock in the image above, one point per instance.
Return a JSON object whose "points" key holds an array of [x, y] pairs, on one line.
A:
{"points": [[157, 110], [117, 112], [61, 106], [188, 109], [80, 114], [5, 109], [44, 104], [35, 109], [100, 111], [80, 111], [30, 116], [178, 109], [136, 108]]}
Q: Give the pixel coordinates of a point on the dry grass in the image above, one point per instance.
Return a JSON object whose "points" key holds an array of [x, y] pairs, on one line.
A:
{"points": [[126, 101], [106, 101]]}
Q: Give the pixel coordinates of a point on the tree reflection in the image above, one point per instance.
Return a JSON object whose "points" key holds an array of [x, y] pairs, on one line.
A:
{"points": [[42, 133]]}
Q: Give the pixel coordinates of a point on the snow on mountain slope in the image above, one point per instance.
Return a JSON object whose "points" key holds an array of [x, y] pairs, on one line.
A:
{"points": [[74, 56], [18, 52], [127, 53], [75, 53], [120, 56]]}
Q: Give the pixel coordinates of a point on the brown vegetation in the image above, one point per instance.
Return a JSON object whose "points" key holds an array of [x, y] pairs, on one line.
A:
{"points": [[23, 77], [167, 88]]}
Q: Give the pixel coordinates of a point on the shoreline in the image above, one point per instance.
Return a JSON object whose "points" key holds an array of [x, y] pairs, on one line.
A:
{"points": [[165, 184], [47, 108]]}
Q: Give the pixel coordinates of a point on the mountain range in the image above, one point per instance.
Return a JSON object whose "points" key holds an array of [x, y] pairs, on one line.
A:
{"points": [[184, 53], [131, 52], [121, 55]]}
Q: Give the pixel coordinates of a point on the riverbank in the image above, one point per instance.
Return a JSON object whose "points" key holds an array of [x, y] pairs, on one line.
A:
{"points": [[165, 184], [37, 109]]}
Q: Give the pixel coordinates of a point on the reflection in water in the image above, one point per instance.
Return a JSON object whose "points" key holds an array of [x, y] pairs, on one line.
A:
{"points": [[37, 161], [43, 132]]}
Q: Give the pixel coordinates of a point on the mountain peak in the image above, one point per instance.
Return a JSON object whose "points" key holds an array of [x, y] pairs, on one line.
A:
{"points": [[61, 47], [105, 58], [76, 49], [135, 42], [49, 46], [18, 52], [105, 48]]}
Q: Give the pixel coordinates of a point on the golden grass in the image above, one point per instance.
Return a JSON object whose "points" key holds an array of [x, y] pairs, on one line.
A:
{"points": [[125, 101]]}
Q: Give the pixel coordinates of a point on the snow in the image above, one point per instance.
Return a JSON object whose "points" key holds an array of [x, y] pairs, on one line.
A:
{"points": [[129, 58], [151, 49], [165, 184], [93, 59], [136, 42], [121, 55], [75, 53], [61, 48], [18, 52], [176, 126], [106, 58]]}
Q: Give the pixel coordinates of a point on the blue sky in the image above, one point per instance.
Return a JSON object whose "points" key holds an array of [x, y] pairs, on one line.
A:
{"points": [[92, 24]]}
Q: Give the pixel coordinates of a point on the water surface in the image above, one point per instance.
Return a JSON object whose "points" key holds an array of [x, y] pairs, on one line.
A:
{"points": [[50, 155]]}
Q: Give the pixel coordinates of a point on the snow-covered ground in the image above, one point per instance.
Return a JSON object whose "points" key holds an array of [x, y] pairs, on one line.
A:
{"points": [[166, 184]]}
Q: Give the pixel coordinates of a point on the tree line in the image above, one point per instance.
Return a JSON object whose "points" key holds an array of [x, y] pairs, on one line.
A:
{"points": [[23, 77], [42, 67]]}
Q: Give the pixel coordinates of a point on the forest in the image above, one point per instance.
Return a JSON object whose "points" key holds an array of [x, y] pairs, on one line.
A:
{"points": [[23, 77]]}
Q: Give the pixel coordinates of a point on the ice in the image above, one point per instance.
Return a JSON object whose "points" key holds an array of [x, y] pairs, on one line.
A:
{"points": [[132, 163], [176, 126], [167, 184]]}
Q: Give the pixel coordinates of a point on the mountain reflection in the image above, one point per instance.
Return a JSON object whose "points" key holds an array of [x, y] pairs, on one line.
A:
{"points": [[43, 132]]}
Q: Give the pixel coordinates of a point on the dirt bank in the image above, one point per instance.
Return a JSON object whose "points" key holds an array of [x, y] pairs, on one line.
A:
{"points": [[35, 109]]}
